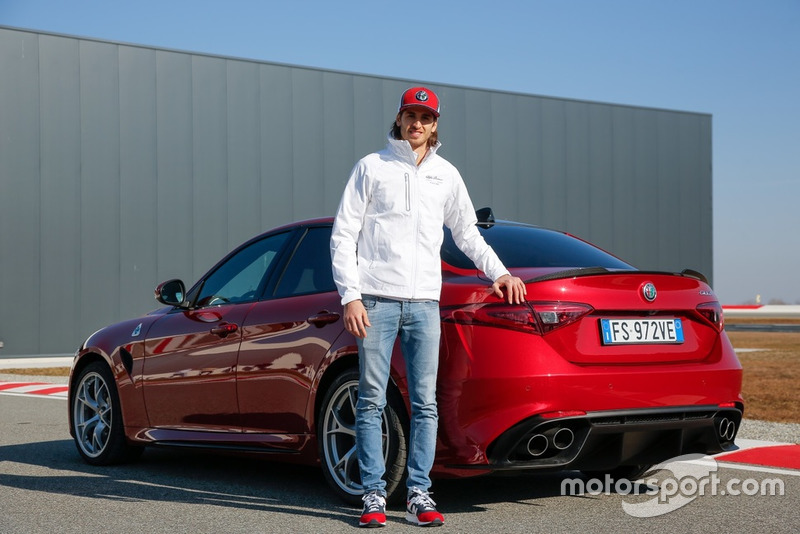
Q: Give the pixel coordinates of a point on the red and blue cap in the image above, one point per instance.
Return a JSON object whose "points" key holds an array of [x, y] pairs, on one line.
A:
{"points": [[419, 96]]}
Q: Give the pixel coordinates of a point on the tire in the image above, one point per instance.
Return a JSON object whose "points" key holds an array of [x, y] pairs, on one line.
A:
{"points": [[97, 426], [336, 439]]}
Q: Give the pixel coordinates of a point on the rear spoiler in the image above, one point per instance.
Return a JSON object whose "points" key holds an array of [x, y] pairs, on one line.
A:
{"points": [[592, 271]]}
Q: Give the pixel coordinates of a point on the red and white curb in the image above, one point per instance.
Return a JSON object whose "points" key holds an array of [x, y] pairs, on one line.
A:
{"points": [[763, 310], [763, 456], [38, 362], [41, 389]]}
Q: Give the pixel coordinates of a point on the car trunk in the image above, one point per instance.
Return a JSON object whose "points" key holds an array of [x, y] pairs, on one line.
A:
{"points": [[634, 317]]}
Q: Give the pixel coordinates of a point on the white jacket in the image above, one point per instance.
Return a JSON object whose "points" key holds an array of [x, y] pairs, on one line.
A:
{"points": [[388, 230]]}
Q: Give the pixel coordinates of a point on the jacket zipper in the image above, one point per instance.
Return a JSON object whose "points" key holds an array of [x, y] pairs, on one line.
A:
{"points": [[415, 215], [408, 193]]}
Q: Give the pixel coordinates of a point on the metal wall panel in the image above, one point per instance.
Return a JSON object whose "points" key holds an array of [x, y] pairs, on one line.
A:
{"points": [[244, 152], [60, 160], [276, 145], [553, 200], [174, 166], [337, 128], [210, 161], [645, 172], [702, 175], [667, 231], [453, 130], [577, 169], [624, 194], [478, 161], [371, 120], [601, 177], [528, 138], [693, 200], [100, 286], [122, 166], [138, 166], [307, 144], [20, 192], [504, 175]]}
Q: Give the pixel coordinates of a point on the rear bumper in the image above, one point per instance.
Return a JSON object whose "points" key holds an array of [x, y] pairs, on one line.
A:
{"points": [[605, 440]]}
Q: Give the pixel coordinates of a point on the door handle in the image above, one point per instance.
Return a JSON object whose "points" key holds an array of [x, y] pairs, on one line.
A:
{"points": [[224, 329], [323, 318]]}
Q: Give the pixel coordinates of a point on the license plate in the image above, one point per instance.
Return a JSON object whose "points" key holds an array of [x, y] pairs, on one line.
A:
{"points": [[632, 331]]}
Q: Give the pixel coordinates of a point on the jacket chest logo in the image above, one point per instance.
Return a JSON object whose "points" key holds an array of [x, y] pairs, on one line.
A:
{"points": [[434, 180]]}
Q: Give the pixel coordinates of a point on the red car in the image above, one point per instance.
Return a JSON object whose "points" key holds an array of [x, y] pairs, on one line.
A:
{"points": [[606, 369]]}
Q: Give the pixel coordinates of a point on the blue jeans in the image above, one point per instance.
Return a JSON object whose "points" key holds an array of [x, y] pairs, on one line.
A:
{"points": [[417, 324]]}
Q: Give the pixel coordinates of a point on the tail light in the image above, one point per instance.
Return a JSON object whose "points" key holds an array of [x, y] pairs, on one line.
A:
{"points": [[712, 312], [530, 317]]}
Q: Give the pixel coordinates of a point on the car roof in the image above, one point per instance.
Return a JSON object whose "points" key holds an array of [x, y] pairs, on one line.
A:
{"points": [[306, 222]]}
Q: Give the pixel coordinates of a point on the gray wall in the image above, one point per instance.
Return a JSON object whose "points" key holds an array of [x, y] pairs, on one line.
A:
{"points": [[122, 166]]}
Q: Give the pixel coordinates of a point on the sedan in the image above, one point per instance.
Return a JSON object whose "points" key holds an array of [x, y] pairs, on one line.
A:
{"points": [[605, 368]]}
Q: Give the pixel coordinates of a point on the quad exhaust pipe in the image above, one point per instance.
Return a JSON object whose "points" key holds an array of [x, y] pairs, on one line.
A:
{"points": [[563, 438], [537, 445], [557, 438], [726, 429]]}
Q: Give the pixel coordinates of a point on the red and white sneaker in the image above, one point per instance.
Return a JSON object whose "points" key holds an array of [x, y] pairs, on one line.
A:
{"points": [[374, 513], [421, 510]]}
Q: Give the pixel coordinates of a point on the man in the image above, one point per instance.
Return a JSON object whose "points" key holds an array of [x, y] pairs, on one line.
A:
{"points": [[386, 265]]}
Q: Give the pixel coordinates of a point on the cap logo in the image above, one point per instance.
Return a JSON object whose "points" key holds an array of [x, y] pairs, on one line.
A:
{"points": [[419, 96], [649, 292]]}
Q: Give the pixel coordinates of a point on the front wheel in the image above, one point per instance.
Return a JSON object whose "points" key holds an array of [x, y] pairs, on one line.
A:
{"points": [[336, 436], [97, 418]]}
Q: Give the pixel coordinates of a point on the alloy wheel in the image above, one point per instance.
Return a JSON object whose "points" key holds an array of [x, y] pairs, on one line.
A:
{"points": [[92, 414], [339, 438]]}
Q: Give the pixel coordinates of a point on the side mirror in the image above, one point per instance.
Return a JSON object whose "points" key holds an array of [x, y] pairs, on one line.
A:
{"points": [[171, 292], [485, 217]]}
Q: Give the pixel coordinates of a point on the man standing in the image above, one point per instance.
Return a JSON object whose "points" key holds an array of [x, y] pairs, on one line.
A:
{"points": [[386, 265]]}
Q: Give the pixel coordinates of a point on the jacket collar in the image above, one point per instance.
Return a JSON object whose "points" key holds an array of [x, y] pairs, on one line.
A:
{"points": [[402, 149]]}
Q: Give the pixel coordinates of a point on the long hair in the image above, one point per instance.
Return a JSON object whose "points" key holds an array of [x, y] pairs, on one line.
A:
{"points": [[432, 140]]}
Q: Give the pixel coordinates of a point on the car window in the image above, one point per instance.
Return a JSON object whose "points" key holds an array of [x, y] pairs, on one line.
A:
{"points": [[309, 269], [530, 246], [241, 277]]}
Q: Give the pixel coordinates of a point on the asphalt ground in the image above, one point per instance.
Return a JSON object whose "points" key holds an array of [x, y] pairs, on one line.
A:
{"points": [[46, 487]]}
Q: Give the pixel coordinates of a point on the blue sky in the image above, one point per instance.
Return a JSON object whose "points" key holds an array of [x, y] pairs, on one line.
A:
{"points": [[737, 60]]}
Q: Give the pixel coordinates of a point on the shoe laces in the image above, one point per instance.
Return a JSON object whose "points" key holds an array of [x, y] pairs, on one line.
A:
{"points": [[421, 499], [373, 502]]}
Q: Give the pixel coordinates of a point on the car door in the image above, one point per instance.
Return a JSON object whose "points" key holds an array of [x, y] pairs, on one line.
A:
{"points": [[285, 337], [189, 371]]}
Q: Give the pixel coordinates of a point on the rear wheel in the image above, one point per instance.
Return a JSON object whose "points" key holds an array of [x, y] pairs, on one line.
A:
{"points": [[97, 418], [336, 435]]}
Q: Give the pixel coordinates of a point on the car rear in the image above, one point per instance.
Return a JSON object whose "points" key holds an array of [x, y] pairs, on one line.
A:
{"points": [[603, 366]]}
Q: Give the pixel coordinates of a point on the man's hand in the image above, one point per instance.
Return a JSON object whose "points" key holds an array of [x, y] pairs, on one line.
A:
{"points": [[356, 320], [515, 289]]}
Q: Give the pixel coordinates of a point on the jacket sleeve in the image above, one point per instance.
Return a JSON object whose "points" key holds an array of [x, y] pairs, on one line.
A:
{"points": [[460, 218], [344, 237]]}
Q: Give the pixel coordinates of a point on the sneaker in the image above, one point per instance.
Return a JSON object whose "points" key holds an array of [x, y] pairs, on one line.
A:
{"points": [[421, 510], [374, 514]]}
